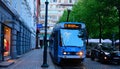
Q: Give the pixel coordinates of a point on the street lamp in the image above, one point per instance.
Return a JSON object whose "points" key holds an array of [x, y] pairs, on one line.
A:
{"points": [[37, 32], [45, 37], [118, 7], [113, 40], [100, 27], [68, 10]]}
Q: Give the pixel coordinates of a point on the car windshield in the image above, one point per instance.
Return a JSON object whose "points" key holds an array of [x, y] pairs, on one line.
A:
{"points": [[70, 37], [108, 49]]}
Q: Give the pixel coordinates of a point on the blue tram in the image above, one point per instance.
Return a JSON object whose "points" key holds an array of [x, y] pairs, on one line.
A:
{"points": [[67, 41]]}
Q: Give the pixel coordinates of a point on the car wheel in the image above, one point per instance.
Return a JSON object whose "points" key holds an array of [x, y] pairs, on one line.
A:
{"points": [[92, 57], [101, 60], [118, 63]]}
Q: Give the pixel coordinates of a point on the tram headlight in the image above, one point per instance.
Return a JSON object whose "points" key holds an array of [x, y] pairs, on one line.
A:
{"points": [[80, 53], [64, 53]]}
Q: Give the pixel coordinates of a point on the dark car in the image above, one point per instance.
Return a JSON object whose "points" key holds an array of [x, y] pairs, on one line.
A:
{"points": [[105, 54]]}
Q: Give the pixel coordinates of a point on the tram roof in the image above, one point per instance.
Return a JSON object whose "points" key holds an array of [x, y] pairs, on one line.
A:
{"points": [[61, 25]]}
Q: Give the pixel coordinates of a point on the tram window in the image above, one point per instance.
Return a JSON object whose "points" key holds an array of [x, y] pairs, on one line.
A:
{"points": [[70, 38], [81, 34], [53, 35], [60, 41]]}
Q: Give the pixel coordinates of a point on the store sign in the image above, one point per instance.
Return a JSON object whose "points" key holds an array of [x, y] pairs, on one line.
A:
{"points": [[39, 26]]}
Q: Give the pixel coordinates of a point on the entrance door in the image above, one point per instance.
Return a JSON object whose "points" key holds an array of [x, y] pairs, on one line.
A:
{"points": [[7, 40]]}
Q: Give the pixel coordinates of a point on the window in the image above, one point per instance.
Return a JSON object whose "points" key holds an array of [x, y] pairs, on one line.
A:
{"points": [[42, 5], [70, 1], [54, 0], [42, 17], [70, 38], [42, 1], [59, 1]]}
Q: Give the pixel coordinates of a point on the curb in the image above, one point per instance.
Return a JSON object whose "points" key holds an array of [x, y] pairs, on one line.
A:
{"points": [[6, 63]]}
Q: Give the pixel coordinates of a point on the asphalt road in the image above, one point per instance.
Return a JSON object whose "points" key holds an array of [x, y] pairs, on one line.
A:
{"points": [[88, 64], [33, 60]]}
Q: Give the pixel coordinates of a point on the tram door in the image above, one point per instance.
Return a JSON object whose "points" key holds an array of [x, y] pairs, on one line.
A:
{"points": [[56, 46]]}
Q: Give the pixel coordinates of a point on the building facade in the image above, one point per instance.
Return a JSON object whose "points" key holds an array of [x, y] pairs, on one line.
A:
{"points": [[17, 28], [55, 11]]}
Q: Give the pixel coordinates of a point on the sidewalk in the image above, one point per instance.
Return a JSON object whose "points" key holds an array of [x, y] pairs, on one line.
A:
{"points": [[31, 60]]}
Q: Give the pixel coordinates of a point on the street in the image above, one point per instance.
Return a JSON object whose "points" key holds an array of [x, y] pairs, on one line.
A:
{"points": [[70, 26], [34, 60], [88, 64]]}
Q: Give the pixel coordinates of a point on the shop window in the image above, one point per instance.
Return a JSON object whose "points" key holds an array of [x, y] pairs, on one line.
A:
{"points": [[7, 41]]}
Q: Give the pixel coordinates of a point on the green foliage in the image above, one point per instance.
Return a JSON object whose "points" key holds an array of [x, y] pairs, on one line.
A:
{"points": [[64, 17], [92, 12]]}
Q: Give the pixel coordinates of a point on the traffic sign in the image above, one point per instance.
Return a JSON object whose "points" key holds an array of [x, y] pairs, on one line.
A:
{"points": [[39, 26]]}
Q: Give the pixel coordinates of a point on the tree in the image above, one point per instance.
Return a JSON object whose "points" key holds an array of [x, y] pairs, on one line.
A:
{"points": [[89, 11], [63, 18]]}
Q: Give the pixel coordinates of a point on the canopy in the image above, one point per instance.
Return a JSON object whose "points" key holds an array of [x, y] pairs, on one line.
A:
{"points": [[107, 41], [117, 41], [94, 40]]}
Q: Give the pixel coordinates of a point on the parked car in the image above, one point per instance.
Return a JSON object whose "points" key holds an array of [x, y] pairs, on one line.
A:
{"points": [[88, 53], [105, 54]]}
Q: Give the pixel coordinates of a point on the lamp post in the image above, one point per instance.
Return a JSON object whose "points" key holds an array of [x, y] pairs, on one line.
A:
{"points": [[119, 25], [100, 27], [118, 8], [113, 40], [45, 37], [37, 32], [68, 10]]}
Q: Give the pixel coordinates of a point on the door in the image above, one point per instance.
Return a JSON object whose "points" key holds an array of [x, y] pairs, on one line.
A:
{"points": [[56, 46]]}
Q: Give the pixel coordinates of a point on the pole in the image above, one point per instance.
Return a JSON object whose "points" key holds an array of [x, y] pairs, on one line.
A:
{"points": [[118, 7], [113, 40], [87, 38], [100, 28], [119, 26], [68, 15], [37, 31], [45, 38]]}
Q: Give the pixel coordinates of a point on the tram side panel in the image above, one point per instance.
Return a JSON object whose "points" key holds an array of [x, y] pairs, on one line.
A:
{"points": [[54, 47]]}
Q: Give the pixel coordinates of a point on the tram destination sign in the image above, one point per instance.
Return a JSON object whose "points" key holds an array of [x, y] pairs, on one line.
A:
{"points": [[72, 26]]}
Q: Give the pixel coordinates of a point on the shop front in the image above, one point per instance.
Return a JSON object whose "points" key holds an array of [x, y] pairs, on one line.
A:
{"points": [[5, 41]]}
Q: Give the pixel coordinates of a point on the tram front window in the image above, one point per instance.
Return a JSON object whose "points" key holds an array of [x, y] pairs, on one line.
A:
{"points": [[70, 37]]}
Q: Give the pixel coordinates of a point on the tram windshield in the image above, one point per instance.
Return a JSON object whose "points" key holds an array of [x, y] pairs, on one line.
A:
{"points": [[69, 37]]}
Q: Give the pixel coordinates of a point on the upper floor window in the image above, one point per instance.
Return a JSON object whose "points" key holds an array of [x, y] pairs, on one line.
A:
{"points": [[42, 5], [70, 1], [59, 1], [54, 0], [42, 1]]}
